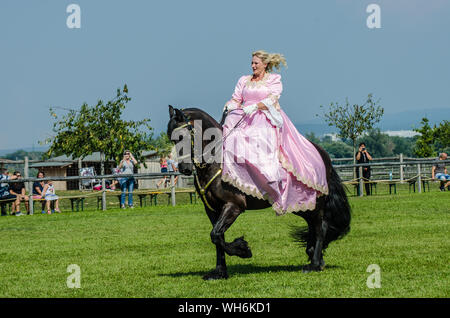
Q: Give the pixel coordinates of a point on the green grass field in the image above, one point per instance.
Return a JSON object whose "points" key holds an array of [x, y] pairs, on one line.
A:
{"points": [[163, 252]]}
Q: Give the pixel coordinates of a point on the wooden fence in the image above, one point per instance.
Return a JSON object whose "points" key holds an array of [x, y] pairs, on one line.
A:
{"points": [[390, 170]]}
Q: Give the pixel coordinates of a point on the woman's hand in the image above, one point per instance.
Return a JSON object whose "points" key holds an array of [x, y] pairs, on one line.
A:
{"points": [[261, 106], [133, 159], [250, 109]]}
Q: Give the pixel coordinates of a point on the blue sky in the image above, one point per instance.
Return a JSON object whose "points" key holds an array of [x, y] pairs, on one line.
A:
{"points": [[191, 53]]}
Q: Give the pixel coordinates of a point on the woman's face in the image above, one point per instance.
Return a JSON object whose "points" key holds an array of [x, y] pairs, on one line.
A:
{"points": [[40, 175], [258, 66]]}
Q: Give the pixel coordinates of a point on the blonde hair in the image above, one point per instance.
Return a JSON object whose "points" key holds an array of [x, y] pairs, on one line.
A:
{"points": [[273, 60]]}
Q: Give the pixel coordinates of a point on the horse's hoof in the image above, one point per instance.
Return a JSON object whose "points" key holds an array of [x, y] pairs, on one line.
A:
{"points": [[246, 254], [312, 268], [239, 247], [215, 274]]}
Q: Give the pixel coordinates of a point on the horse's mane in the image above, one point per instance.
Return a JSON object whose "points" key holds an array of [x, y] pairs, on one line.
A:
{"points": [[196, 113]]}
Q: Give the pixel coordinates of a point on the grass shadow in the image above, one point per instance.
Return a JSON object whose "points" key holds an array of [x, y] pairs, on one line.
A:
{"points": [[248, 269]]}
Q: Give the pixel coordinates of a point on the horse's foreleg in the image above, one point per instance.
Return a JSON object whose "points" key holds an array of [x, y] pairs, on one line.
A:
{"points": [[221, 267], [239, 246]]}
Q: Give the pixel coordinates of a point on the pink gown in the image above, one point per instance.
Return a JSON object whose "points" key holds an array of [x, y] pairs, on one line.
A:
{"points": [[265, 156]]}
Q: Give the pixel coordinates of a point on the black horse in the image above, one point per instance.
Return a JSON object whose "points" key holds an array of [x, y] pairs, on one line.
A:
{"points": [[224, 203]]}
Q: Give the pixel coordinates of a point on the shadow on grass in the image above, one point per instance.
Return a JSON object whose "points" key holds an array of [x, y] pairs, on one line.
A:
{"points": [[249, 269]]}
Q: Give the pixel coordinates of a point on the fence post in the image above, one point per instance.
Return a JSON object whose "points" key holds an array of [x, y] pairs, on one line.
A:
{"points": [[29, 186], [419, 179], [361, 186], [102, 171], [79, 167], [172, 186], [401, 168]]}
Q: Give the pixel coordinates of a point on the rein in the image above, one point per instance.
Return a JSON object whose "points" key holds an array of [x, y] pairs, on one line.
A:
{"points": [[198, 165]]}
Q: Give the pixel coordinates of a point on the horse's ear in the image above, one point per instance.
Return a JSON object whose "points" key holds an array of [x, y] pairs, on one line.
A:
{"points": [[171, 111], [179, 115]]}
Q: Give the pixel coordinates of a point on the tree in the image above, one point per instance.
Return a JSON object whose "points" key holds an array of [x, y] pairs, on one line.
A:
{"points": [[403, 145], [379, 144], [163, 145], [442, 136], [337, 149], [311, 136], [21, 154], [353, 120], [100, 128], [425, 141]]}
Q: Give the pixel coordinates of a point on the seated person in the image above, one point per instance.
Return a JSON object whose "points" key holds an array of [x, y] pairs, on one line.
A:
{"points": [[18, 189], [38, 186], [164, 169], [114, 182], [50, 196], [439, 171], [4, 188], [172, 166]]}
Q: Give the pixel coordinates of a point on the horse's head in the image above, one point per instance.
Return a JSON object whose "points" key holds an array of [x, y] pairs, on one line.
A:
{"points": [[178, 120]]}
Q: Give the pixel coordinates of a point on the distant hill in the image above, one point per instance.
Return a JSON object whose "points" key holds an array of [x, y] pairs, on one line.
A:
{"points": [[4, 152], [390, 122]]}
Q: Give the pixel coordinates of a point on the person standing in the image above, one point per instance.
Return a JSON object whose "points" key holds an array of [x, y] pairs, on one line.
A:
{"points": [[126, 166], [363, 156]]}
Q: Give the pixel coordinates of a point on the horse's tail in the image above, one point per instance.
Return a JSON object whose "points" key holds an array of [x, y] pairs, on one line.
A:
{"points": [[337, 210]]}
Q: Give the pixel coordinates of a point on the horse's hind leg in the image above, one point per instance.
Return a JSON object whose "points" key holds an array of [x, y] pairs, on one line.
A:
{"points": [[314, 249], [310, 238]]}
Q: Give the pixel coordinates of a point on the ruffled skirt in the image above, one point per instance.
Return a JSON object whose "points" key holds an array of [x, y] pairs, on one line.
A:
{"points": [[270, 163]]}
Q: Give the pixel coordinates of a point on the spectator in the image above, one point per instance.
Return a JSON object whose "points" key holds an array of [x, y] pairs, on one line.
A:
{"points": [[163, 165], [439, 172], [115, 182], [18, 189], [176, 170], [50, 196], [126, 166], [172, 166], [363, 156], [4, 189], [38, 186]]}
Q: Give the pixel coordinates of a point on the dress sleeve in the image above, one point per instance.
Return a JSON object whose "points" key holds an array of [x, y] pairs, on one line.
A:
{"points": [[275, 89], [236, 98], [271, 101]]}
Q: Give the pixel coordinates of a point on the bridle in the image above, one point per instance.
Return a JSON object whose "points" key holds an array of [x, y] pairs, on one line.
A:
{"points": [[199, 165]]}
